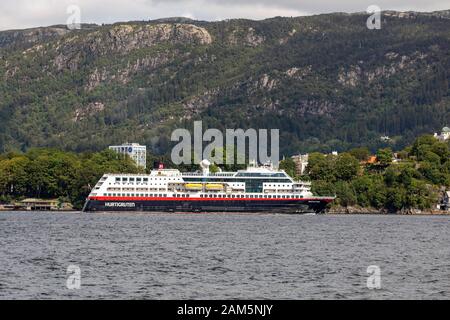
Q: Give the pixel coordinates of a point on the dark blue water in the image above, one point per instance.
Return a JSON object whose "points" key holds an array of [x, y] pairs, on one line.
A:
{"points": [[220, 256]]}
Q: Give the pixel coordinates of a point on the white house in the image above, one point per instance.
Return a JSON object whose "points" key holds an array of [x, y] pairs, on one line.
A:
{"points": [[136, 152], [445, 134]]}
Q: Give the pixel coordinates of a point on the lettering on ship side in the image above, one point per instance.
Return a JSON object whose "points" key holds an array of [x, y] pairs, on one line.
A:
{"points": [[120, 204]]}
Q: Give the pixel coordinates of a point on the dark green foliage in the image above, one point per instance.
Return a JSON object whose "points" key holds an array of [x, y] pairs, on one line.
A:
{"points": [[332, 168], [384, 156], [361, 153], [49, 173], [288, 165], [411, 183]]}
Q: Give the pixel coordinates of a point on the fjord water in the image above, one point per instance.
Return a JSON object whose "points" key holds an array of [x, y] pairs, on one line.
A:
{"points": [[222, 256]]}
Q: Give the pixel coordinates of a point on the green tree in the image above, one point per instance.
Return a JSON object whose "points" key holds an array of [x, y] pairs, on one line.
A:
{"points": [[346, 167], [288, 165], [320, 167], [361, 153], [384, 156]]}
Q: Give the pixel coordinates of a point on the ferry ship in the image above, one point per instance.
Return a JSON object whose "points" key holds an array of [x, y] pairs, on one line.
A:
{"points": [[256, 189]]}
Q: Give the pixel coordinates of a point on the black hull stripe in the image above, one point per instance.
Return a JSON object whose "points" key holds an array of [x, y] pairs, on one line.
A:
{"points": [[219, 205]]}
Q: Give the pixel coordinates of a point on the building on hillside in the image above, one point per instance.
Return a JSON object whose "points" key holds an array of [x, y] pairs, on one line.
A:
{"points": [[445, 134], [301, 162], [370, 160], [135, 151]]}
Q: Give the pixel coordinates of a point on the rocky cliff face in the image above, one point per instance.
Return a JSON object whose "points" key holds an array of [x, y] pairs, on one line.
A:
{"points": [[123, 39]]}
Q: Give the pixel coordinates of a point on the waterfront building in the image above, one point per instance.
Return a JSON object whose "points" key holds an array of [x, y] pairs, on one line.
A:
{"points": [[135, 151], [42, 205]]}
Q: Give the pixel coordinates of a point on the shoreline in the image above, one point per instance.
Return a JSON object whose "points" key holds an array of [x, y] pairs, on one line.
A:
{"points": [[339, 210]]}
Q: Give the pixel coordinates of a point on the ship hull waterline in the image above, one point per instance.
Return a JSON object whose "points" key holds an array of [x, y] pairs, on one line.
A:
{"points": [[206, 205]]}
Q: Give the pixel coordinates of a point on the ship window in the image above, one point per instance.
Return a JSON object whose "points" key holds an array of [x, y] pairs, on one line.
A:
{"points": [[117, 179], [131, 179], [145, 179], [138, 179], [124, 179]]}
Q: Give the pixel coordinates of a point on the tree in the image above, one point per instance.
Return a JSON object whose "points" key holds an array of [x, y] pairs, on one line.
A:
{"points": [[346, 167], [345, 194], [320, 167], [361, 153], [384, 156], [289, 166]]}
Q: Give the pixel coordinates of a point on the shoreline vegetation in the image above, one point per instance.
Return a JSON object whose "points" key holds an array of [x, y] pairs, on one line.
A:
{"points": [[356, 210], [408, 182]]}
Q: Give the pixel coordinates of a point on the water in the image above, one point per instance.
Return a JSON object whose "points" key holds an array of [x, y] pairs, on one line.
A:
{"points": [[223, 256]]}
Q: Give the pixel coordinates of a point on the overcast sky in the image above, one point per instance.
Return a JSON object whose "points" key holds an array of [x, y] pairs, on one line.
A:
{"points": [[19, 14]]}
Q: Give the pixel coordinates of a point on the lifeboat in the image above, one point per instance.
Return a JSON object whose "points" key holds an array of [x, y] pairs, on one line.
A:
{"points": [[193, 186], [214, 186]]}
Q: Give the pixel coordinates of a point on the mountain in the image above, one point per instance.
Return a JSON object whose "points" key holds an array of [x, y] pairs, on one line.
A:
{"points": [[326, 81]]}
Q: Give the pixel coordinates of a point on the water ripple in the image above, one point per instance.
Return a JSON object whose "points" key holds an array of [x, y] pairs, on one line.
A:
{"points": [[167, 256]]}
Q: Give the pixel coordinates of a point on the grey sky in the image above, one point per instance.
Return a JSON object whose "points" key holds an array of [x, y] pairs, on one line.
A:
{"points": [[18, 14]]}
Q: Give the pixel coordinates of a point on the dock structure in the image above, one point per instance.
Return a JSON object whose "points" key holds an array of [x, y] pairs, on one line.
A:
{"points": [[32, 204]]}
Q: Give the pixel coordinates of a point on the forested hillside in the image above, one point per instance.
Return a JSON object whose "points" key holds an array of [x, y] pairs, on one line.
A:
{"points": [[327, 82]]}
